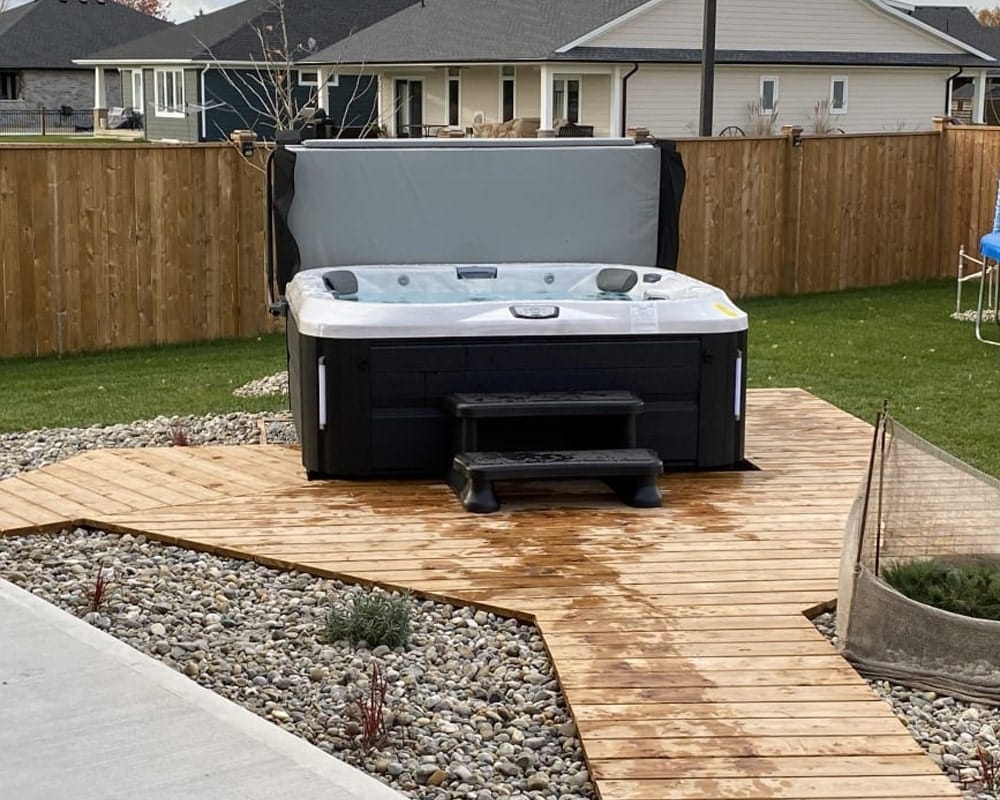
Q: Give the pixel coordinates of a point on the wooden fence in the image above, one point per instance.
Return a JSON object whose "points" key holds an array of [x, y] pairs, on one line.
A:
{"points": [[769, 216], [115, 246], [105, 247]]}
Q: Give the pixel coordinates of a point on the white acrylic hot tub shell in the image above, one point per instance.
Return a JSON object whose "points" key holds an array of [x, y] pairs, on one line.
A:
{"points": [[674, 304]]}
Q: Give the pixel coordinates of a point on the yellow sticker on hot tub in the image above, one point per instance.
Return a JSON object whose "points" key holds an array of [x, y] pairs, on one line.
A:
{"points": [[725, 309]]}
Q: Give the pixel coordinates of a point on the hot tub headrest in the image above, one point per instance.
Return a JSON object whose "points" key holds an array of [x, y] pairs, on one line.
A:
{"points": [[341, 281], [380, 203], [615, 279]]}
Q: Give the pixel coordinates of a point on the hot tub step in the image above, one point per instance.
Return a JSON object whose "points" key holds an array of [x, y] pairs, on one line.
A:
{"points": [[474, 410], [631, 472], [538, 404]]}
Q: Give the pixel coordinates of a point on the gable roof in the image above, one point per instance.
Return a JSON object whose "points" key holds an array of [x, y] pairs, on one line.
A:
{"points": [[49, 34], [475, 30], [230, 34], [464, 31], [960, 23]]}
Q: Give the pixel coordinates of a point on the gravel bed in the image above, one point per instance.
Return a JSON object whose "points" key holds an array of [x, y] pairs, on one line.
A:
{"points": [[32, 449], [949, 729], [276, 384], [473, 707], [971, 314]]}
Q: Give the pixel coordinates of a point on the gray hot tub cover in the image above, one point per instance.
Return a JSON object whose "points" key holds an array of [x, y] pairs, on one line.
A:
{"points": [[338, 203]]}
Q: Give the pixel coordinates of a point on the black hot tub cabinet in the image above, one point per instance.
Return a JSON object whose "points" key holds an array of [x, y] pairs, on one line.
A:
{"points": [[404, 273]]}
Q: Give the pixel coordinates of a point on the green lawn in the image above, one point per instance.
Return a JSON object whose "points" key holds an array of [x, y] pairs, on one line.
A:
{"points": [[124, 385], [899, 344], [66, 139], [852, 348]]}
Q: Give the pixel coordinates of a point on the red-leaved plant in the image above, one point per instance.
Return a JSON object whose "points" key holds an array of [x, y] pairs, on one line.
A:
{"points": [[989, 771], [371, 711], [99, 591]]}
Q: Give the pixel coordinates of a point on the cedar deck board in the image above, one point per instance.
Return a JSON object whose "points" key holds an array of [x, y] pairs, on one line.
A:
{"points": [[677, 633]]}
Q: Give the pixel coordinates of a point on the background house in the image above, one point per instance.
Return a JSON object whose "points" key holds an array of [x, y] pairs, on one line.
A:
{"points": [[851, 65], [961, 23], [40, 39], [202, 79]]}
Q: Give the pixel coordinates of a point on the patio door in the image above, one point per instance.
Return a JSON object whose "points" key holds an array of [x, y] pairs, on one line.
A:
{"points": [[138, 101], [409, 107]]}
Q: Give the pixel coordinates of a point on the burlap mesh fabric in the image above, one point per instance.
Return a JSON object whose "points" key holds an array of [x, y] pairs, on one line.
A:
{"points": [[918, 503]]}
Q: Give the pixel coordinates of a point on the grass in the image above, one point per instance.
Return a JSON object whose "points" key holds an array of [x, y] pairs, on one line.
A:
{"points": [[856, 348], [66, 138], [125, 385], [971, 588]]}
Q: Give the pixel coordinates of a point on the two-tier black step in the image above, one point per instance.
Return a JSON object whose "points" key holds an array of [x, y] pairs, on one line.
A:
{"points": [[630, 471]]}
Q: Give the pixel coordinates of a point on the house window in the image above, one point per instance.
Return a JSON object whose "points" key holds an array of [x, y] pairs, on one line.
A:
{"points": [[8, 86], [768, 95], [454, 97], [838, 95], [509, 82], [138, 99], [308, 77], [566, 99], [168, 87]]}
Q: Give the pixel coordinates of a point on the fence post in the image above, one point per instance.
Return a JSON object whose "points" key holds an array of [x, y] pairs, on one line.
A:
{"points": [[793, 204], [41, 113], [942, 189]]}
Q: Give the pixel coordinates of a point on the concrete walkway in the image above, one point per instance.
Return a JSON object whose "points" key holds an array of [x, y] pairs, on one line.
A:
{"points": [[84, 716]]}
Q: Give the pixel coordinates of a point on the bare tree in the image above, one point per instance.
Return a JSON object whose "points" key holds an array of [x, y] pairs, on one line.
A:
{"points": [[155, 8], [989, 17], [267, 89]]}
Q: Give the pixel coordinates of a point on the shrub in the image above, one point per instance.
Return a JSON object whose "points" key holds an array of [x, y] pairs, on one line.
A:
{"points": [[970, 587], [376, 618]]}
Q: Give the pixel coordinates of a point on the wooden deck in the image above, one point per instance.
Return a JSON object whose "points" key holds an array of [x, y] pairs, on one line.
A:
{"points": [[677, 633]]}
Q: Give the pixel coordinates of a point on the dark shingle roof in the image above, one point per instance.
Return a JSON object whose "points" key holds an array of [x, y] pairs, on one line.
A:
{"points": [[810, 57], [49, 34], [475, 30], [960, 23], [230, 33]]}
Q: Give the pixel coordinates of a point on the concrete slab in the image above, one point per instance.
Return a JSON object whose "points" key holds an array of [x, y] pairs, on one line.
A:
{"points": [[83, 715]]}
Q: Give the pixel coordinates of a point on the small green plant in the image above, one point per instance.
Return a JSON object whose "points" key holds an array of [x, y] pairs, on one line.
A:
{"points": [[375, 618], [371, 711], [970, 587]]}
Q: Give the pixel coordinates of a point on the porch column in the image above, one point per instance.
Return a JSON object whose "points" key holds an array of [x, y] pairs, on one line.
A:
{"points": [[979, 98], [100, 100], [615, 122], [322, 90], [545, 112]]}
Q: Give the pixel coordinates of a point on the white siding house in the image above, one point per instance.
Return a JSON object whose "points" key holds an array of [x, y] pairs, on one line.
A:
{"points": [[837, 65]]}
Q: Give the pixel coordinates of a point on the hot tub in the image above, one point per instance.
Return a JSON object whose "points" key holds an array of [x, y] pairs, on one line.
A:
{"points": [[396, 300]]}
